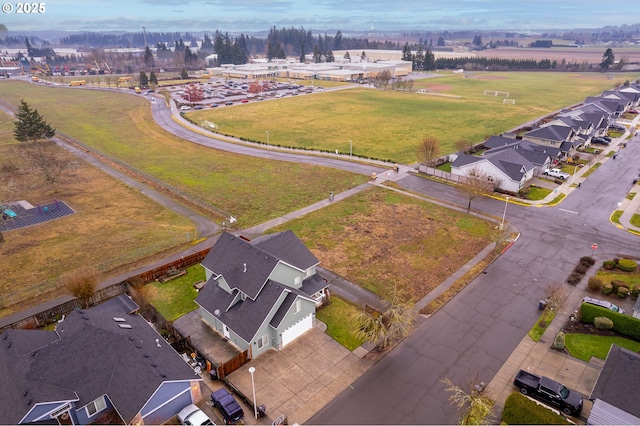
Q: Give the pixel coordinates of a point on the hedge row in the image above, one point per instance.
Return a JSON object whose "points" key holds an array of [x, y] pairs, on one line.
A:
{"points": [[520, 410], [623, 324]]}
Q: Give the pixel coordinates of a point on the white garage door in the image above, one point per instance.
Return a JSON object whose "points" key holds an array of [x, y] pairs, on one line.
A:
{"points": [[297, 329]]}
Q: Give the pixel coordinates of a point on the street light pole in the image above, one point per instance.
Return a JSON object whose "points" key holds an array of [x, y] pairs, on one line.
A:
{"points": [[350, 148], [573, 178], [253, 387], [504, 213], [267, 132]]}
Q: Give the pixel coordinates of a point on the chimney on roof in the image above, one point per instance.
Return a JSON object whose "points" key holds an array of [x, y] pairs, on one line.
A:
{"points": [[245, 268]]}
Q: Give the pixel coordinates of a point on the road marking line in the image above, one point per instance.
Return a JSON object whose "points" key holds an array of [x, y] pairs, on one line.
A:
{"points": [[569, 211]]}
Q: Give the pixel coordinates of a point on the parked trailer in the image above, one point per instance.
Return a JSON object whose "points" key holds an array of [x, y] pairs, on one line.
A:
{"points": [[78, 83]]}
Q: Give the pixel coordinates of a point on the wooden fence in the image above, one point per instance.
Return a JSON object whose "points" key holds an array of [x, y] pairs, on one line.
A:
{"points": [[233, 364]]}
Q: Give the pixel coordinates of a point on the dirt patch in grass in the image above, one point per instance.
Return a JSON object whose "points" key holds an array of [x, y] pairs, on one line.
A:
{"points": [[378, 237], [438, 87]]}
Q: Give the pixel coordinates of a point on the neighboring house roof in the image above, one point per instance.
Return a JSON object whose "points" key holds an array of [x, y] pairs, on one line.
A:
{"points": [[534, 153], [510, 162], [575, 123], [619, 380], [551, 133], [613, 105], [89, 355], [499, 141]]}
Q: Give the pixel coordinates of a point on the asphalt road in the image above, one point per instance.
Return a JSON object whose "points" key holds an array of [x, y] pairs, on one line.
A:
{"points": [[477, 331]]}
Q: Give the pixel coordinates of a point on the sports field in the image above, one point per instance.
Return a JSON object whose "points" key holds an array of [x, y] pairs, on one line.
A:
{"points": [[389, 124], [251, 189]]}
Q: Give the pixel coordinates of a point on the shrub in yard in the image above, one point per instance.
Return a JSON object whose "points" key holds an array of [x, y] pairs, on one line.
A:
{"points": [[627, 265], [594, 284], [623, 324], [587, 260], [580, 268], [609, 264], [616, 284], [520, 410], [635, 291], [622, 291], [558, 342], [607, 288], [603, 323]]}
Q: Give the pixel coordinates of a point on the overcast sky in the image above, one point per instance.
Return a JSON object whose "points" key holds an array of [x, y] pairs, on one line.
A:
{"points": [[345, 15]]}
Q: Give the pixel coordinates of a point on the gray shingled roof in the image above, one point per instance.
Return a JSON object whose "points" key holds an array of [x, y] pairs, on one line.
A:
{"points": [[243, 266], [288, 248], [619, 380], [499, 141], [244, 317], [92, 357], [511, 163], [552, 133]]}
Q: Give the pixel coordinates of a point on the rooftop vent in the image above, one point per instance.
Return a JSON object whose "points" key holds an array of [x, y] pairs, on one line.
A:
{"points": [[216, 312], [245, 268], [124, 325], [158, 343], [118, 319]]}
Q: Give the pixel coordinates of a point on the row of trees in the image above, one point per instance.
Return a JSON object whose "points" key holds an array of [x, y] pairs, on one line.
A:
{"points": [[422, 59]]}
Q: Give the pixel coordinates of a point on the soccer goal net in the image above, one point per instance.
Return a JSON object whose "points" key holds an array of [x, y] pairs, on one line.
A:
{"points": [[509, 101], [496, 93]]}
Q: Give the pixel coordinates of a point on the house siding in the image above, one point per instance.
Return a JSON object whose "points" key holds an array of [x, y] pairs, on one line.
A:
{"points": [[81, 413], [265, 328], [167, 402], [40, 410], [217, 325], [286, 275]]}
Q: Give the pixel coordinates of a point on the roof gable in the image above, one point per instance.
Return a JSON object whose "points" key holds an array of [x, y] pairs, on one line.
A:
{"points": [[287, 247], [618, 380]]}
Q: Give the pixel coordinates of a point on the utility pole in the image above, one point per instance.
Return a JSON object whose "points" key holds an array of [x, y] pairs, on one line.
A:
{"points": [[144, 33]]}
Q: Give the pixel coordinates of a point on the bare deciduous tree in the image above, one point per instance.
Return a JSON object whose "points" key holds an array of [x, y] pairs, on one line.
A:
{"points": [[477, 182], [556, 296], [428, 150], [474, 406], [464, 145], [47, 159]]}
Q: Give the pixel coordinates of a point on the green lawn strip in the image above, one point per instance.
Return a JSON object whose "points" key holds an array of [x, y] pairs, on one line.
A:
{"points": [[585, 346], [556, 200], [541, 325], [175, 298], [391, 123], [591, 170], [635, 220], [632, 278], [445, 167], [537, 193], [251, 189], [615, 217], [630, 195], [337, 315]]}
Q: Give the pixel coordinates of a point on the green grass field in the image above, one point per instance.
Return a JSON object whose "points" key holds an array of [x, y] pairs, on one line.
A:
{"points": [[337, 315], [175, 298], [388, 124], [252, 189]]}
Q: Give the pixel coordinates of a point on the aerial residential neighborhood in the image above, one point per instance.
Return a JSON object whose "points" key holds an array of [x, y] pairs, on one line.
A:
{"points": [[404, 222]]}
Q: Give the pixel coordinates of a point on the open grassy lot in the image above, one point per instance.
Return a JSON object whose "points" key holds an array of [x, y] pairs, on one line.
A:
{"points": [[175, 298], [113, 225], [251, 189], [379, 237], [584, 346], [389, 124]]}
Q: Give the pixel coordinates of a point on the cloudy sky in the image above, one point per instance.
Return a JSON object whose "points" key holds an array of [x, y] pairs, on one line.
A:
{"points": [[356, 15]]}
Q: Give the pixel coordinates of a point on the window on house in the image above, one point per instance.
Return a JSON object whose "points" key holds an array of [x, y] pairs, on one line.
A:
{"points": [[96, 406], [262, 342], [297, 306]]}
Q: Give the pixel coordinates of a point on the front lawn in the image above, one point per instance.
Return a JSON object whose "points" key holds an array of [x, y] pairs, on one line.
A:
{"points": [[537, 193], [541, 325], [635, 220], [631, 278], [175, 298], [584, 346], [337, 315]]}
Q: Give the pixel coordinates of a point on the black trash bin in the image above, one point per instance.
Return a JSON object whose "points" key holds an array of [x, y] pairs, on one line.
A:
{"points": [[213, 374], [542, 304], [262, 411]]}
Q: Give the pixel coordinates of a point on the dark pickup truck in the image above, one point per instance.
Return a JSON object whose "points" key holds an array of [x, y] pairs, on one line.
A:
{"points": [[550, 392]]}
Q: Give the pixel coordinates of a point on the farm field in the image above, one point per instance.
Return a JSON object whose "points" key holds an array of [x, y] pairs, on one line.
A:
{"points": [[251, 189], [378, 237], [591, 54], [389, 124], [113, 226]]}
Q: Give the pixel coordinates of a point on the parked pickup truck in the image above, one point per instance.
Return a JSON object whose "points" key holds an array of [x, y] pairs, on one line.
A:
{"points": [[550, 392], [556, 173]]}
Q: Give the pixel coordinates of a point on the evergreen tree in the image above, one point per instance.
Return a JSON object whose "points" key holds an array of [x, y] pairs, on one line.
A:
{"points": [[406, 53], [144, 80], [608, 59], [148, 58], [329, 56], [363, 56], [302, 53], [429, 60], [347, 56], [418, 59], [184, 74], [338, 41], [153, 79], [30, 125], [317, 56]]}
